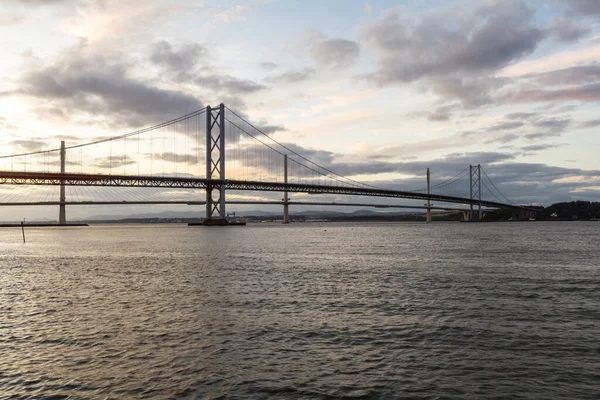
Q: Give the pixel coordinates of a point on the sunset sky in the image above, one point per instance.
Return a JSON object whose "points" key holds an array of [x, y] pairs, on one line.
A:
{"points": [[394, 86]]}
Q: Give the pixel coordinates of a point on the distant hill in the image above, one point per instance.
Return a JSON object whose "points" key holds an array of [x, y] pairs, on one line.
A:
{"points": [[574, 210], [566, 211]]}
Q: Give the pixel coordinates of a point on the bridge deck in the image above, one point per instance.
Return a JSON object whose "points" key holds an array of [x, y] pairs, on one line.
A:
{"points": [[71, 179]]}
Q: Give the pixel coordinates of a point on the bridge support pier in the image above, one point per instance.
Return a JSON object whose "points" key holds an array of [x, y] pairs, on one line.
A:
{"points": [[286, 199], [215, 166], [62, 208]]}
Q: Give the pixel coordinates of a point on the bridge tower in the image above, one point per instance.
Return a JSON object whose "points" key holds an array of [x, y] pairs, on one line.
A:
{"points": [[215, 166], [62, 210], [286, 198], [428, 215], [475, 191]]}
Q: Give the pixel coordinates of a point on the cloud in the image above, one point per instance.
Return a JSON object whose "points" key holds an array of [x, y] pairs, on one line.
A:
{"points": [[583, 7], [101, 21], [551, 127], [568, 30], [591, 124], [576, 75], [584, 93], [180, 158], [229, 83], [509, 137], [32, 144], [293, 76], [521, 115], [267, 129], [41, 2], [578, 83], [457, 59], [555, 125], [538, 147], [234, 14], [541, 135], [7, 19], [335, 53], [181, 59], [113, 162], [102, 86], [440, 114], [269, 66], [506, 126]]}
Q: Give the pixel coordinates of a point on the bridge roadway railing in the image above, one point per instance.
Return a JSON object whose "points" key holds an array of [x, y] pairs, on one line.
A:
{"points": [[70, 179]]}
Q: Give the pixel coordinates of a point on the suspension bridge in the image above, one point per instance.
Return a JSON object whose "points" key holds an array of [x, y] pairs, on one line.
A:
{"points": [[215, 157]]}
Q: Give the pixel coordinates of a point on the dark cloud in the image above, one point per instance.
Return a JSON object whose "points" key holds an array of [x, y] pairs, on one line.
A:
{"points": [[114, 161], [188, 63], [229, 84], [582, 93], [336, 53], [51, 113], [100, 86], [554, 125], [57, 163], [591, 124], [472, 91], [456, 59], [269, 66], [583, 7], [66, 138], [264, 127], [293, 76], [541, 135], [440, 114], [509, 137], [505, 126], [577, 75], [181, 59], [32, 144], [538, 147], [180, 158], [568, 30], [521, 115], [549, 127]]}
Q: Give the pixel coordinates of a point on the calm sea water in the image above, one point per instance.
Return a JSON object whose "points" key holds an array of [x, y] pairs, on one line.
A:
{"points": [[445, 311]]}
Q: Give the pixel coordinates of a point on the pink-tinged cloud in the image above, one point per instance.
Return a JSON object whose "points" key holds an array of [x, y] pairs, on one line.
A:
{"points": [[583, 93]]}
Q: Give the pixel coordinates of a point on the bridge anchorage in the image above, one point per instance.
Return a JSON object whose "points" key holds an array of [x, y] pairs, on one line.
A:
{"points": [[225, 153]]}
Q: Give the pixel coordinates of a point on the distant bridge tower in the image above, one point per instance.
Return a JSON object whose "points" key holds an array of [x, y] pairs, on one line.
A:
{"points": [[215, 166], [428, 215], [475, 191], [286, 197], [62, 210]]}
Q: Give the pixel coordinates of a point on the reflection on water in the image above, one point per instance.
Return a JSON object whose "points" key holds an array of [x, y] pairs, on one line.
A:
{"points": [[373, 310]]}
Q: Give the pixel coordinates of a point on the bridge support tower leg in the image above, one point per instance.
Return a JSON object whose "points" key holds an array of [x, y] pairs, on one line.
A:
{"points": [[62, 210], [215, 166], [286, 199], [475, 192], [428, 218]]}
